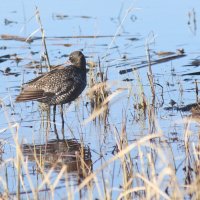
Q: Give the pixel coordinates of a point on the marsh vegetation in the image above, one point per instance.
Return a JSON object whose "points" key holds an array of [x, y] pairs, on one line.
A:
{"points": [[134, 131]]}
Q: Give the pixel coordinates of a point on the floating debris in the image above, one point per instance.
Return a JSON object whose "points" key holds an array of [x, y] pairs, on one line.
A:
{"points": [[192, 73], [164, 53], [195, 63], [180, 51], [169, 53], [193, 107], [133, 39], [7, 72], [3, 47], [84, 16], [34, 52], [10, 57], [64, 16], [3, 59], [15, 37], [172, 102], [31, 39], [34, 64], [128, 79], [7, 22], [60, 17], [154, 62], [67, 45]]}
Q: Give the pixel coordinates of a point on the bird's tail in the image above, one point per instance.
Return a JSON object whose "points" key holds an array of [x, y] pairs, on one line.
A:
{"points": [[31, 94]]}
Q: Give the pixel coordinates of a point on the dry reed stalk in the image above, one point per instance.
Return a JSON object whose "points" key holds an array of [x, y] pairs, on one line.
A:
{"points": [[150, 72], [126, 162], [128, 11], [152, 186], [97, 112], [37, 13], [19, 162], [142, 98], [196, 91]]}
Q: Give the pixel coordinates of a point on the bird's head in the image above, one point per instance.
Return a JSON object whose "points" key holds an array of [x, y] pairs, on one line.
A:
{"points": [[78, 59]]}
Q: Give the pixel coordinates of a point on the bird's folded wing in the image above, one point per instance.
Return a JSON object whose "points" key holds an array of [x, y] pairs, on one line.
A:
{"points": [[33, 94]]}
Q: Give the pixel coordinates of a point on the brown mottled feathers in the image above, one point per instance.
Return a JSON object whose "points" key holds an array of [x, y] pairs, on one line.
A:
{"points": [[32, 94], [59, 86]]}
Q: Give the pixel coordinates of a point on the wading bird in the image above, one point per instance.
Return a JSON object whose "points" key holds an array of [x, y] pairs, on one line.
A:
{"points": [[59, 86]]}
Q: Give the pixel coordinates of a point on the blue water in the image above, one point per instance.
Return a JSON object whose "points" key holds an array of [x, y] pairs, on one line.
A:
{"points": [[163, 25]]}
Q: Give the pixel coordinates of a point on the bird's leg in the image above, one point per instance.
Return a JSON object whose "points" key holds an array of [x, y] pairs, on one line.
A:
{"points": [[48, 120], [56, 132], [54, 121], [62, 117], [54, 114]]}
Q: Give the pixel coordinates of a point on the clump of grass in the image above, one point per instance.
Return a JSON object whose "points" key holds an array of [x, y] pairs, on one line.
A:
{"points": [[141, 102], [146, 169], [100, 91]]}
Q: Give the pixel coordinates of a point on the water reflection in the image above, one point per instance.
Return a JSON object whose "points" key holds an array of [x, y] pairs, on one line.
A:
{"points": [[58, 153]]}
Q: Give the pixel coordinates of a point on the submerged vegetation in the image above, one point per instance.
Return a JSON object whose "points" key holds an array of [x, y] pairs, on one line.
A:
{"points": [[130, 135]]}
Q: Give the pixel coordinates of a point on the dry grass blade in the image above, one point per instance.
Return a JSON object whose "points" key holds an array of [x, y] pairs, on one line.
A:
{"points": [[136, 189], [31, 35], [153, 186], [108, 85], [43, 38], [14, 128], [59, 176]]}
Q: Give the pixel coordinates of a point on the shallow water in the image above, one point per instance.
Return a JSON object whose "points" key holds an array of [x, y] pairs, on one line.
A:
{"points": [[116, 35]]}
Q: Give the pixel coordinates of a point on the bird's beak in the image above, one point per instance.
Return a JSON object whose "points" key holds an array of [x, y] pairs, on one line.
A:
{"points": [[69, 62]]}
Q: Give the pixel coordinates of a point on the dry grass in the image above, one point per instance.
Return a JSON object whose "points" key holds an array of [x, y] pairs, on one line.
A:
{"points": [[141, 168], [145, 168]]}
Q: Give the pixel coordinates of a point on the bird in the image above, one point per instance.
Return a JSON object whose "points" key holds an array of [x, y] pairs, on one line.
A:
{"points": [[60, 85]]}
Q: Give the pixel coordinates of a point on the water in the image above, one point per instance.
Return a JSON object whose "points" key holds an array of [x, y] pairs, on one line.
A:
{"points": [[116, 34]]}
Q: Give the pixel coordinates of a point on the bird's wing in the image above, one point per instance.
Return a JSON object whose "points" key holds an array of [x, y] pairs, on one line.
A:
{"points": [[33, 94], [44, 75], [60, 80]]}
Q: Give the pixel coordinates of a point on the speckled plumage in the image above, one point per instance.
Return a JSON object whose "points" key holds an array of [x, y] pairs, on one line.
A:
{"points": [[59, 86]]}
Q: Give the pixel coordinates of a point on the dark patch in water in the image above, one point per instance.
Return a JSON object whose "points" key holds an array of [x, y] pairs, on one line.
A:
{"points": [[6, 57], [57, 153], [128, 79], [3, 47], [64, 16], [193, 73], [162, 60], [60, 17], [194, 63], [194, 107], [7, 22], [133, 39], [133, 18], [7, 72], [187, 79], [34, 52]]}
